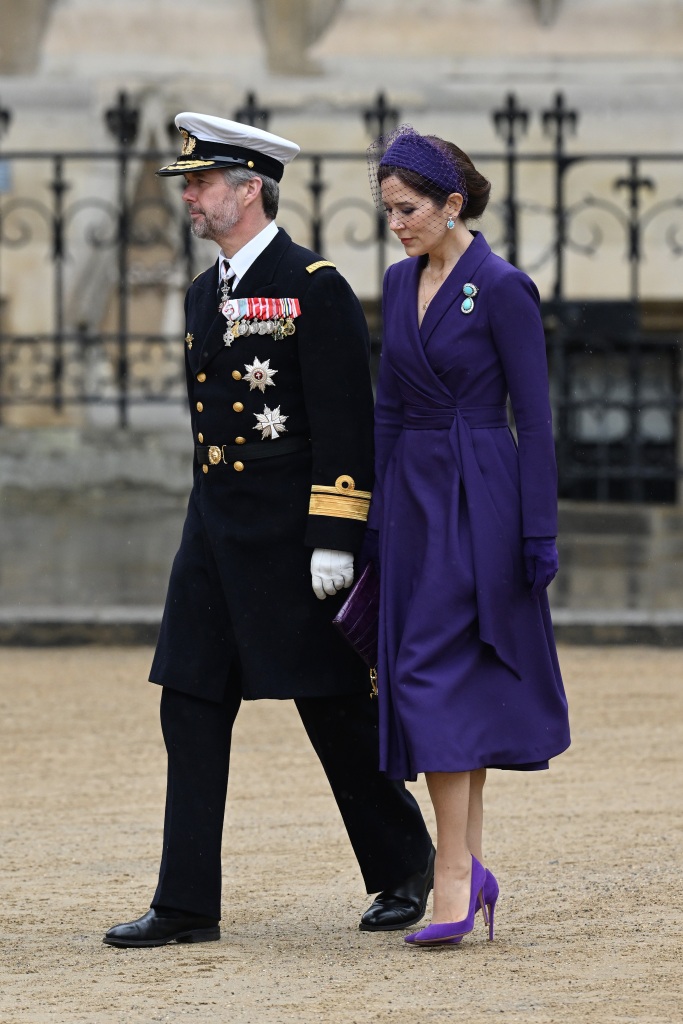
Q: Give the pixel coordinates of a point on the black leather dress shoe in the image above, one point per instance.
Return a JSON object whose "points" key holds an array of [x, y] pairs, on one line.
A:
{"points": [[403, 906], [153, 929]]}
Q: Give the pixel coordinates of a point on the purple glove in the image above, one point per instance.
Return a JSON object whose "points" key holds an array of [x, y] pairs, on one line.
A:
{"points": [[540, 562]]}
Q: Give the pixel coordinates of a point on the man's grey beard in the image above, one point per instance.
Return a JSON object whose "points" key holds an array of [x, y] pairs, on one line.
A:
{"points": [[218, 225]]}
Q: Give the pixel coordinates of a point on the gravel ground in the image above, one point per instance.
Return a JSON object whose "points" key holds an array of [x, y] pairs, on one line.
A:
{"points": [[589, 857]]}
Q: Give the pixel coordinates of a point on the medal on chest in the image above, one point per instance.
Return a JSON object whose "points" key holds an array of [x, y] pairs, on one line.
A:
{"points": [[260, 316]]}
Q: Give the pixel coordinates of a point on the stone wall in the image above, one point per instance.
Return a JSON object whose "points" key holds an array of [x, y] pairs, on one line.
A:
{"points": [[93, 518]]}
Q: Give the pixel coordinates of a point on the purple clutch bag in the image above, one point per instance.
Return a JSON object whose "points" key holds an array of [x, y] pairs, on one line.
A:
{"points": [[358, 618]]}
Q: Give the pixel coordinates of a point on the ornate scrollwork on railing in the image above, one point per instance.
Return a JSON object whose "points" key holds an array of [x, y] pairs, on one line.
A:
{"points": [[15, 231], [593, 203], [672, 230], [103, 227], [350, 235]]}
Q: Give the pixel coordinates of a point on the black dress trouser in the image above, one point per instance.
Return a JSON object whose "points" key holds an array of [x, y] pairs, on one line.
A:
{"points": [[385, 826]]}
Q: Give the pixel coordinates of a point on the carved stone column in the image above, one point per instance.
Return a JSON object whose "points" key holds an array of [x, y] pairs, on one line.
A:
{"points": [[289, 28], [23, 25]]}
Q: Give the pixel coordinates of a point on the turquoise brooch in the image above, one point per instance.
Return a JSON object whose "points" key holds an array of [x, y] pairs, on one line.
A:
{"points": [[469, 291]]}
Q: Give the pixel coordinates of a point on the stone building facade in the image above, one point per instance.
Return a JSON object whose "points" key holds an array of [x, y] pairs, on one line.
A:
{"points": [[318, 66]]}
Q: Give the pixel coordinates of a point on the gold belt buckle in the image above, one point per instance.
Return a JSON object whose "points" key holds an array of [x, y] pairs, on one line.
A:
{"points": [[215, 454]]}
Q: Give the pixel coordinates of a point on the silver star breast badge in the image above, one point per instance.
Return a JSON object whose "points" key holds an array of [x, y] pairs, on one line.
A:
{"points": [[259, 374], [271, 423]]}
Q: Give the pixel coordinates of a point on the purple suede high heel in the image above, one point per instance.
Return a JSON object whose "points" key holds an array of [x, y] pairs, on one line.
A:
{"points": [[491, 891], [450, 933]]}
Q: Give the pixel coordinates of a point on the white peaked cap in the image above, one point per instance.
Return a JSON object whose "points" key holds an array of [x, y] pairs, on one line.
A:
{"points": [[210, 142]]}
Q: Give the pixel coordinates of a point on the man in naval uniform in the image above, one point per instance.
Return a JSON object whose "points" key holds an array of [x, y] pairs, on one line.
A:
{"points": [[276, 356]]}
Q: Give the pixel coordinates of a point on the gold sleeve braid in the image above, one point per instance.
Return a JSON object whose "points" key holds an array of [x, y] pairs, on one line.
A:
{"points": [[342, 500]]}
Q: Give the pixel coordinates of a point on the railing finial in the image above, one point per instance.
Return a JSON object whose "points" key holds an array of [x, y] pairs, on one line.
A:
{"points": [[123, 121]]}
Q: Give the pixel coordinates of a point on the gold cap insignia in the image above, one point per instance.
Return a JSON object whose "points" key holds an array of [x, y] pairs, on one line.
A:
{"points": [[189, 143]]}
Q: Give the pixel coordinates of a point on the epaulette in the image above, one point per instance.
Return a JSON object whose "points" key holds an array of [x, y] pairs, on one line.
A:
{"points": [[312, 267], [196, 276]]}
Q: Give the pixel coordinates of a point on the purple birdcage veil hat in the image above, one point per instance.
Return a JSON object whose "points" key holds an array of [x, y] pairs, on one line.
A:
{"points": [[428, 156]]}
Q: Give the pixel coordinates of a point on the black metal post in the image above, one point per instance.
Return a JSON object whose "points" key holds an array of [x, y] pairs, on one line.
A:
{"points": [[381, 118], [253, 114], [379, 121], [5, 120], [511, 122], [316, 187], [634, 184], [557, 121], [122, 121], [59, 187]]}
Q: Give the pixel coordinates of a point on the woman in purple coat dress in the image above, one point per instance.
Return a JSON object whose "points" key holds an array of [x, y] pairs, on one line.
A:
{"points": [[467, 516]]}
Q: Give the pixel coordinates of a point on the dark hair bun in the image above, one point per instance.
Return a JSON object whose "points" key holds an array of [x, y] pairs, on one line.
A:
{"points": [[478, 187]]}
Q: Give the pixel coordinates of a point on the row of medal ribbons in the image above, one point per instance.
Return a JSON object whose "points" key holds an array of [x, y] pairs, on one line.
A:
{"points": [[260, 316]]}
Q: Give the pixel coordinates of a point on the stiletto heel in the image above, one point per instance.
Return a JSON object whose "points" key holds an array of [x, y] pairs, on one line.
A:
{"points": [[491, 891], [451, 932]]}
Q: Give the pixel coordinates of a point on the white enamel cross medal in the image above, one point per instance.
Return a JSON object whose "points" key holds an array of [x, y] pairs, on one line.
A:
{"points": [[271, 423]]}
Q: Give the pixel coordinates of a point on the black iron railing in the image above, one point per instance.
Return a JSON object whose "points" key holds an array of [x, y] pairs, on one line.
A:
{"points": [[99, 242]]}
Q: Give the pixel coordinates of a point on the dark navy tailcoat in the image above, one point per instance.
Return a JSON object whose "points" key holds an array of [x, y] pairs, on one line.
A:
{"points": [[468, 670], [240, 589]]}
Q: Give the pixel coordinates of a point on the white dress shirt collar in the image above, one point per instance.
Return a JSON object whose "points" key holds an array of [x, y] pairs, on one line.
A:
{"points": [[247, 255]]}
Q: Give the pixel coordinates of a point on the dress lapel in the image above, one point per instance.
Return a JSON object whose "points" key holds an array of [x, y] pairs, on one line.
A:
{"points": [[450, 291], [408, 359]]}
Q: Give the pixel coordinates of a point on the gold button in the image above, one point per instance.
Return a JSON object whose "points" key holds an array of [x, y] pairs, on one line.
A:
{"points": [[240, 440], [201, 377], [205, 469], [200, 438], [236, 375], [238, 407], [200, 407], [239, 466]]}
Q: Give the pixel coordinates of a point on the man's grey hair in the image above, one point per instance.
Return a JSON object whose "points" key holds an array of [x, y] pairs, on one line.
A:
{"points": [[270, 191]]}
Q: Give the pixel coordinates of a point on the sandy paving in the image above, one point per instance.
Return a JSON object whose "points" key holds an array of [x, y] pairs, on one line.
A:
{"points": [[589, 856]]}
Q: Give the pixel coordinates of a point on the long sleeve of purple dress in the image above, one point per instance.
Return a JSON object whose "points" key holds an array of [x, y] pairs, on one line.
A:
{"points": [[523, 358]]}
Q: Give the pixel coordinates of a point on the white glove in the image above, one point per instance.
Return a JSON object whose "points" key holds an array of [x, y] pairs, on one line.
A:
{"points": [[330, 571]]}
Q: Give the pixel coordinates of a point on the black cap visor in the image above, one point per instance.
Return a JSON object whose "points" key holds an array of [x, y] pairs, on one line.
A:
{"points": [[209, 155]]}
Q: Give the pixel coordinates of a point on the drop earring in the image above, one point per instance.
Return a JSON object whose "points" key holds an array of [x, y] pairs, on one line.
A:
{"points": [[450, 223]]}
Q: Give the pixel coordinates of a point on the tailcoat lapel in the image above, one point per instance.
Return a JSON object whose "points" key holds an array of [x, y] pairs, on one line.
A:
{"points": [[202, 318], [209, 323], [260, 278]]}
